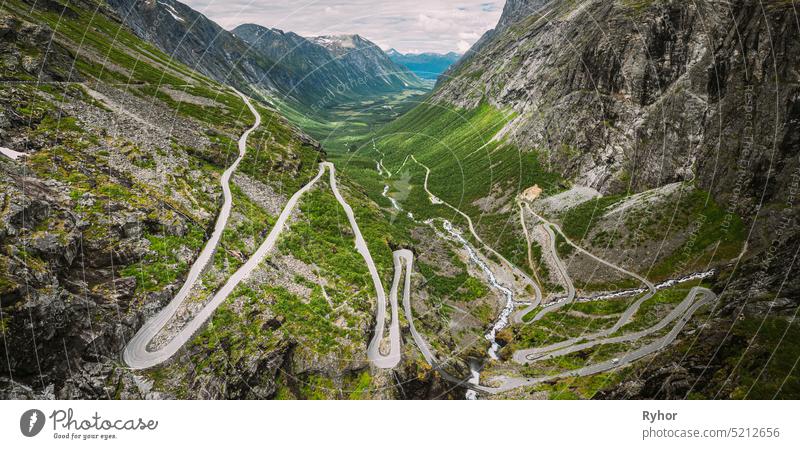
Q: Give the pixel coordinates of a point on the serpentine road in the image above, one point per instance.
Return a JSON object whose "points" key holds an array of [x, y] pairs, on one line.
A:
{"points": [[510, 383], [545, 353], [138, 356], [404, 261], [549, 226], [436, 200], [685, 310], [519, 316]]}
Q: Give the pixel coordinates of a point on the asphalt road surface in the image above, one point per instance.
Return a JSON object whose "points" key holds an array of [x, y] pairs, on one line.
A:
{"points": [[510, 383], [136, 354]]}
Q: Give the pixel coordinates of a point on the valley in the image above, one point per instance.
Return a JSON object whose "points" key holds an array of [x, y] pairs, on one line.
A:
{"points": [[168, 229]]}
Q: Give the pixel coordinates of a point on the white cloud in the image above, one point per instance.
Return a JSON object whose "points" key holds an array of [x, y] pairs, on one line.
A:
{"points": [[407, 25], [433, 25]]}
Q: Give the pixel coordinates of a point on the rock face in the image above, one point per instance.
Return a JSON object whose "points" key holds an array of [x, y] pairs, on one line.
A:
{"points": [[364, 57], [643, 95], [200, 43], [516, 10], [627, 96], [18, 48], [258, 59], [48, 305]]}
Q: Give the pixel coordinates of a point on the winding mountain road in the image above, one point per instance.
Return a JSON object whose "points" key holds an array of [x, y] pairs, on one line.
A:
{"points": [[684, 310], [549, 226], [528, 242], [436, 200], [136, 354], [548, 352], [510, 383], [404, 263], [519, 317]]}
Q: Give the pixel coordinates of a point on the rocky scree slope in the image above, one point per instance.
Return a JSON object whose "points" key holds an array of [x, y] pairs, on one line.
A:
{"points": [[102, 217]]}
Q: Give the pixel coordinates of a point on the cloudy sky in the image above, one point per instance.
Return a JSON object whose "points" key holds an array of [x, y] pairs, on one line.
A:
{"points": [[412, 26]]}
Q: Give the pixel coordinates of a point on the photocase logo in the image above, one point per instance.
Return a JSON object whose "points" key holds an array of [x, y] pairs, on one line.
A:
{"points": [[31, 422]]}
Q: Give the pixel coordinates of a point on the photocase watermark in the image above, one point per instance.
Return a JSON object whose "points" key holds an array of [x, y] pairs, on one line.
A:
{"points": [[31, 422], [67, 425]]}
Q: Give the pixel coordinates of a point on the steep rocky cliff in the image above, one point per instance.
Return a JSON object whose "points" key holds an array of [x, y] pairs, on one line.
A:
{"points": [[626, 96], [190, 37], [516, 10], [651, 90], [646, 92]]}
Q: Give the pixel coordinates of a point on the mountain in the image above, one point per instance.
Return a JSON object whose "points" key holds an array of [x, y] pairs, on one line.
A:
{"points": [[343, 66], [112, 181], [599, 200], [118, 188], [264, 61], [518, 10], [366, 57], [193, 39], [425, 65], [594, 99], [636, 98]]}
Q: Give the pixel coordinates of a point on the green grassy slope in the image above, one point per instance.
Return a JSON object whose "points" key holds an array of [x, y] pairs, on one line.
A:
{"points": [[171, 190], [106, 52], [466, 165]]}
